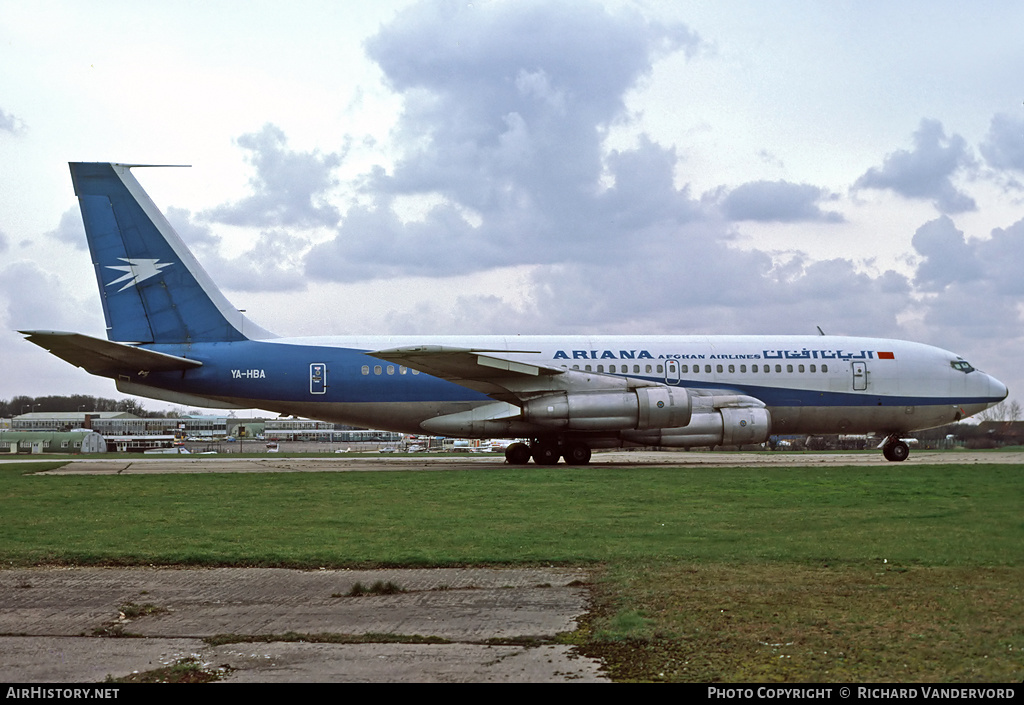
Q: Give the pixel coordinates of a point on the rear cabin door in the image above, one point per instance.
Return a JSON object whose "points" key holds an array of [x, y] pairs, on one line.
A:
{"points": [[318, 378]]}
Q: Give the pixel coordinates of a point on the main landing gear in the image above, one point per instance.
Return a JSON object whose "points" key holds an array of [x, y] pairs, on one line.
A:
{"points": [[895, 450], [548, 452]]}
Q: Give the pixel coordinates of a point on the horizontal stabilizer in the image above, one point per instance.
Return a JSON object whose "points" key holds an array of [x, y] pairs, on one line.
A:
{"points": [[106, 358]]}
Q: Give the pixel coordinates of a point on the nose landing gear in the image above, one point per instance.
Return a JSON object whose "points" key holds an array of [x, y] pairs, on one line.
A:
{"points": [[894, 450]]}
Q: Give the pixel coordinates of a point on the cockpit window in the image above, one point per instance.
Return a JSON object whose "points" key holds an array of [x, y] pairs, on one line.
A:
{"points": [[961, 365]]}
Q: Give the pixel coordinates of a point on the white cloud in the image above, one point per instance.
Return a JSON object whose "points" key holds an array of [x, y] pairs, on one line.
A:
{"points": [[70, 231], [289, 188], [1003, 147], [9, 123], [778, 201], [506, 107], [927, 171]]}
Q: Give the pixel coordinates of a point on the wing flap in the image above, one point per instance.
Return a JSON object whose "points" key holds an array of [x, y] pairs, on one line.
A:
{"points": [[500, 377], [104, 357], [483, 370], [463, 363]]}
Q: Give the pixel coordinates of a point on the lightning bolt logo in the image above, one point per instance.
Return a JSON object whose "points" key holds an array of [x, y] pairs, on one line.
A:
{"points": [[136, 270]]}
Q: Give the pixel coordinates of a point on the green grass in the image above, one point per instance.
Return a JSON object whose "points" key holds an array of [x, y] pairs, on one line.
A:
{"points": [[940, 515], [734, 574]]}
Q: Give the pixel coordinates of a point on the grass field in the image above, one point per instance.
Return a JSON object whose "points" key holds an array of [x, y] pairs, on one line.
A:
{"points": [[740, 574]]}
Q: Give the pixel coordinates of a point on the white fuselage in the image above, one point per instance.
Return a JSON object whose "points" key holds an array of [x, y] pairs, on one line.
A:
{"points": [[809, 384]]}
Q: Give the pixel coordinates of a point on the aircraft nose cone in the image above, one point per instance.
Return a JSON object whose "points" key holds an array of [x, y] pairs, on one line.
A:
{"points": [[998, 388]]}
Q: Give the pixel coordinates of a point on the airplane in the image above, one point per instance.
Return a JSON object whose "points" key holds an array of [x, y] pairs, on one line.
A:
{"points": [[173, 336]]}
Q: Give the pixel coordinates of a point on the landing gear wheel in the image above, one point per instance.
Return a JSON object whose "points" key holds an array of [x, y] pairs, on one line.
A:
{"points": [[577, 454], [896, 452], [517, 454], [545, 453]]}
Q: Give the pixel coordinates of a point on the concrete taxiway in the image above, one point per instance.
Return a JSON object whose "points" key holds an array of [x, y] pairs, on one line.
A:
{"points": [[342, 463], [81, 625]]}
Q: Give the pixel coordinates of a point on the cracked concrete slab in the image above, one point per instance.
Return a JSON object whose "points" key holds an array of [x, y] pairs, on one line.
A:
{"points": [[51, 618]]}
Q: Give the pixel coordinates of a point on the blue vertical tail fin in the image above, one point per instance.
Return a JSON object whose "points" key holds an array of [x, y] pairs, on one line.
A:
{"points": [[153, 289]]}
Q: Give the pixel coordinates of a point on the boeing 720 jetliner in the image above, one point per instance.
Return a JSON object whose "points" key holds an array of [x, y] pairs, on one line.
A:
{"points": [[172, 336]]}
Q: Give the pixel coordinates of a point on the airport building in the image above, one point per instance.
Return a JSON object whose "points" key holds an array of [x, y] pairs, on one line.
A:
{"points": [[36, 442], [128, 432]]}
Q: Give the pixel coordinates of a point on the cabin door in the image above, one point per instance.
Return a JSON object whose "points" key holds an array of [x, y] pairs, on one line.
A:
{"points": [[860, 376], [318, 378], [671, 371]]}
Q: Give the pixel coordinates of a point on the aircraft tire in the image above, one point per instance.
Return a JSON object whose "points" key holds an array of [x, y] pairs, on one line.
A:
{"points": [[577, 454], [545, 453], [896, 452], [517, 454]]}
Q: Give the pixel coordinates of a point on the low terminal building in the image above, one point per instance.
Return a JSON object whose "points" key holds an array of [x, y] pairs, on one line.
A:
{"points": [[118, 423], [38, 442], [127, 432]]}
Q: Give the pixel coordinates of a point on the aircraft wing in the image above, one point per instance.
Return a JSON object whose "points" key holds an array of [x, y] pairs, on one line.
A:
{"points": [[501, 378], [104, 357]]}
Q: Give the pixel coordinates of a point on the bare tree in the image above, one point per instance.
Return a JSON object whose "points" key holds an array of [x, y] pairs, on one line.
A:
{"points": [[1013, 411], [994, 413]]}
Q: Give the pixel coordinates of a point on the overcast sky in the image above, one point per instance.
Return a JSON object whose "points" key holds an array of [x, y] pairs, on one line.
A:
{"points": [[531, 167]]}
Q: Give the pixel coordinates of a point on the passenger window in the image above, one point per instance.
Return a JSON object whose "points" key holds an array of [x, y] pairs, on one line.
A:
{"points": [[366, 369], [789, 368], [391, 369], [753, 368], [824, 368], [377, 369], [732, 369], [684, 369], [660, 369], [636, 369], [778, 368], [707, 368], [800, 368], [600, 368], [743, 368], [718, 368], [813, 370]]}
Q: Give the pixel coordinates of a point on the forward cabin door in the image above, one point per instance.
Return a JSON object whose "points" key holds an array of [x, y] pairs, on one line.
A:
{"points": [[860, 376], [671, 371]]}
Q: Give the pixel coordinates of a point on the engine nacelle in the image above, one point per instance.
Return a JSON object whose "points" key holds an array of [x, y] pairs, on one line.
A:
{"points": [[728, 426], [637, 409]]}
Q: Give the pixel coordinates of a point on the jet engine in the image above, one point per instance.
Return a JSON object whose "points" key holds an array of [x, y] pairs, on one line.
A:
{"points": [[636, 409], [726, 426]]}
